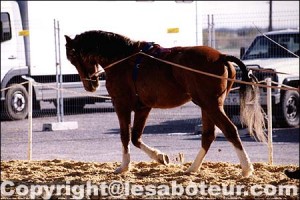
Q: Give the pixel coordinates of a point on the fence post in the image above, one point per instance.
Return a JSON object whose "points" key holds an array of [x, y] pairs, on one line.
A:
{"points": [[30, 85], [213, 33], [209, 31], [30, 119], [196, 15], [59, 98], [269, 110], [61, 124]]}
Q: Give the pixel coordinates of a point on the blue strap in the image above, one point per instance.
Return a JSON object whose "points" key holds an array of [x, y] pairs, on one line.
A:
{"points": [[136, 67], [147, 47], [139, 60]]}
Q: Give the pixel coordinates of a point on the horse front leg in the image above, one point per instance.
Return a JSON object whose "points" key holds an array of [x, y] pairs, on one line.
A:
{"points": [[208, 136], [124, 116], [140, 117]]}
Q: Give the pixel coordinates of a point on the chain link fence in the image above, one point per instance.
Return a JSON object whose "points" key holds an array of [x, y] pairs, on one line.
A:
{"points": [[229, 37]]}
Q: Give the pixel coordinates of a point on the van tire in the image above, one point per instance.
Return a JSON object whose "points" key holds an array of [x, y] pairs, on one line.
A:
{"points": [[290, 108], [16, 102]]}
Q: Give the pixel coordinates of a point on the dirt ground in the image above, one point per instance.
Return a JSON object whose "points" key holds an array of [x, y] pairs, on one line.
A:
{"points": [[70, 173]]}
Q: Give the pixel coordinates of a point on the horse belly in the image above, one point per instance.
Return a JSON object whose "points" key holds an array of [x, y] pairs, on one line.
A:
{"points": [[158, 88], [163, 96]]}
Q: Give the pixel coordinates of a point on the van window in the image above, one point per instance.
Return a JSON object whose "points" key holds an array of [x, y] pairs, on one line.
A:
{"points": [[5, 27]]}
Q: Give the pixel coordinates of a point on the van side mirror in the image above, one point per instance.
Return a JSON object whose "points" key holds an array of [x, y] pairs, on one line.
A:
{"points": [[242, 51]]}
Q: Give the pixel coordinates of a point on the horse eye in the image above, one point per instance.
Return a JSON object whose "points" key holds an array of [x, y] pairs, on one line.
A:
{"points": [[70, 48], [92, 62], [71, 51]]}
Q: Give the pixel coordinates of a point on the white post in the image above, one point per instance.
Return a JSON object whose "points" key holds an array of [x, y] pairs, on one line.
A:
{"points": [[269, 108], [60, 125], [58, 105], [30, 119], [213, 33], [60, 75], [209, 31], [196, 15]]}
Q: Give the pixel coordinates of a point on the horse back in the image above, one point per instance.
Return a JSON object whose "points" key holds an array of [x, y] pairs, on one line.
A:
{"points": [[162, 85], [208, 60]]}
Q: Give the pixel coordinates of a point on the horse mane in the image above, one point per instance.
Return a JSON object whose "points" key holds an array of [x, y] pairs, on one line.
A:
{"points": [[106, 45]]}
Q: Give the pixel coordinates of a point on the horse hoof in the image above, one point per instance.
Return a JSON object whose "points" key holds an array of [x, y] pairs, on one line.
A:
{"points": [[120, 170], [190, 170], [163, 159], [248, 172], [292, 174]]}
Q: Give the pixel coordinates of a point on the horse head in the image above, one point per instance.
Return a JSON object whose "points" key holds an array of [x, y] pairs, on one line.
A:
{"points": [[87, 67]]}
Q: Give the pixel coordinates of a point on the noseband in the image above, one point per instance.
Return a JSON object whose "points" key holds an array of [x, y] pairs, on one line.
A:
{"points": [[95, 75]]}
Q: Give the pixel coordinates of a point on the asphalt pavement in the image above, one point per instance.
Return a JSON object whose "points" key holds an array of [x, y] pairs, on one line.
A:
{"points": [[172, 131]]}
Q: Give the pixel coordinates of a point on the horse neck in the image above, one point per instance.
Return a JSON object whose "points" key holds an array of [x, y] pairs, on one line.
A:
{"points": [[130, 50]]}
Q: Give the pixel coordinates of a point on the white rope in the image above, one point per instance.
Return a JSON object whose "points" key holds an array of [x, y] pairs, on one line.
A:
{"points": [[62, 89], [199, 72], [7, 88], [217, 76], [276, 42], [283, 86], [72, 91]]}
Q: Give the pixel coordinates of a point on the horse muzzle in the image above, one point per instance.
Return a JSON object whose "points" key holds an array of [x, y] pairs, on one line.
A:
{"points": [[90, 84]]}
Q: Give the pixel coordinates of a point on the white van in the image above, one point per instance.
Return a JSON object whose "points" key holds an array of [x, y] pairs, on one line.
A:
{"points": [[28, 43]]}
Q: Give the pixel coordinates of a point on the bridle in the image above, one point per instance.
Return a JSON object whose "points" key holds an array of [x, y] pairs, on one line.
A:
{"points": [[95, 76], [100, 70]]}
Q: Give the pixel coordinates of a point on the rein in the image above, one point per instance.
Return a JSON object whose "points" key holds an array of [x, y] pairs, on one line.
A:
{"points": [[96, 74], [266, 70], [149, 46], [285, 87]]}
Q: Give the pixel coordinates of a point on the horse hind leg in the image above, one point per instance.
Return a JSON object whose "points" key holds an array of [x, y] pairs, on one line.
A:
{"points": [[208, 136], [231, 133], [140, 118]]}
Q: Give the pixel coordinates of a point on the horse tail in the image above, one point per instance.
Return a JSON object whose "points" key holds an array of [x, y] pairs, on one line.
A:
{"points": [[251, 112]]}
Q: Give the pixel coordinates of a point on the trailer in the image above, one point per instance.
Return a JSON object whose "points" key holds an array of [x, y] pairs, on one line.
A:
{"points": [[28, 43]]}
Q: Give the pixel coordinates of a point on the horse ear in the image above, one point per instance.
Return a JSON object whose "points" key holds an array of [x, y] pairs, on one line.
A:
{"points": [[68, 39]]}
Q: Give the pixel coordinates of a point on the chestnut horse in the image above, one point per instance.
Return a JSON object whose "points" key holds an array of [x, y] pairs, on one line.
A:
{"points": [[139, 83]]}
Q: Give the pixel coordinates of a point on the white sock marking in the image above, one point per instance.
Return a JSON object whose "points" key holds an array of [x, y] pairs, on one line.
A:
{"points": [[198, 161]]}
